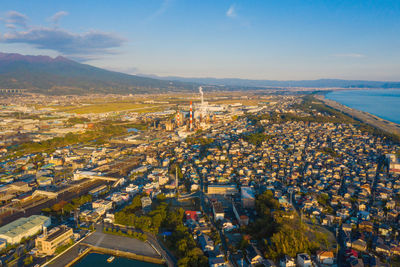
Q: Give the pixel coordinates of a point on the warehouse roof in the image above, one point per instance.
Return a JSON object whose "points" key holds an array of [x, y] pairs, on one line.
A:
{"points": [[22, 225]]}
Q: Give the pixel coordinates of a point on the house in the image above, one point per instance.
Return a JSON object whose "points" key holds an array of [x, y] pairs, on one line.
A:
{"points": [[303, 260], [346, 227], [269, 263], [192, 215], [253, 255], [359, 245], [384, 230], [325, 257], [206, 243], [366, 226], [287, 261], [216, 262], [382, 249]]}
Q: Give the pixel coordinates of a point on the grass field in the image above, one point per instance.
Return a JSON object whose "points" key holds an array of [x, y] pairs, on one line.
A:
{"points": [[110, 107], [98, 104]]}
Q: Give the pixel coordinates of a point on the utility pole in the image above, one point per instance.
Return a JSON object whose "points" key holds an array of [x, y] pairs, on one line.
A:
{"points": [[176, 178]]}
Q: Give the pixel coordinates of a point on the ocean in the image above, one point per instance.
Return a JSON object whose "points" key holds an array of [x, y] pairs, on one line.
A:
{"points": [[384, 103], [100, 260]]}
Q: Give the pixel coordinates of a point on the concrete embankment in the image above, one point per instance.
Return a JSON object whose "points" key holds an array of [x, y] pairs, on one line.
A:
{"points": [[124, 254], [108, 244]]}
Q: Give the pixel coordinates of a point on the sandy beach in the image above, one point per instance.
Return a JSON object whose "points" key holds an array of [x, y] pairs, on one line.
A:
{"points": [[363, 116]]}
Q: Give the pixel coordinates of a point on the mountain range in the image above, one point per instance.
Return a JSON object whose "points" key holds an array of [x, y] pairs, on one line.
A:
{"points": [[59, 76], [320, 83]]}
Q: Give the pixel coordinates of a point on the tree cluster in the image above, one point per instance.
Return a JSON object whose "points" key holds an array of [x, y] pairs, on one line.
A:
{"points": [[63, 207], [182, 242], [163, 216], [148, 223], [256, 138], [282, 233]]}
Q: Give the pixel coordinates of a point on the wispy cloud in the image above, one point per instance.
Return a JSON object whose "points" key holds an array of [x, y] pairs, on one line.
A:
{"points": [[57, 16], [231, 12], [14, 19], [350, 55], [76, 45], [161, 10]]}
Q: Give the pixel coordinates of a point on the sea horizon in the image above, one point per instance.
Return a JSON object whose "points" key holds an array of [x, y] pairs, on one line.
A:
{"points": [[383, 103]]}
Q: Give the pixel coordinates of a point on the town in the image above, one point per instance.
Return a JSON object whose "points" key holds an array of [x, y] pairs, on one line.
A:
{"points": [[246, 180]]}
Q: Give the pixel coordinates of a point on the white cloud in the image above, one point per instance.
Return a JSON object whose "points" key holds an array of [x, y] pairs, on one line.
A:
{"points": [[161, 10], [350, 55], [231, 12], [57, 16], [65, 42], [75, 45]]}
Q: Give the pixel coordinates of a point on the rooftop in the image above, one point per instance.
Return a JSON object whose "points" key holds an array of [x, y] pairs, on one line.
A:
{"points": [[58, 231], [22, 225]]}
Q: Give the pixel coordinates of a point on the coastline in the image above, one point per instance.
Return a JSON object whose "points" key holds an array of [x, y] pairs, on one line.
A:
{"points": [[385, 125]]}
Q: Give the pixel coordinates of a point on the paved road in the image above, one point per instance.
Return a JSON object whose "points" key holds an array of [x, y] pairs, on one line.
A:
{"points": [[67, 257]]}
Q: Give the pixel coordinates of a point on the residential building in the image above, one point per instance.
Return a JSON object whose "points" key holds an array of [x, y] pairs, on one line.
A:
{"points": [[247, 197], [304, 260], [218, 211], [221, 189]]}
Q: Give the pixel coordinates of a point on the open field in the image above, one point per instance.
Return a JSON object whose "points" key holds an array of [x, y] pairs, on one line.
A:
{"points": [[144, 103], [108, 107]]}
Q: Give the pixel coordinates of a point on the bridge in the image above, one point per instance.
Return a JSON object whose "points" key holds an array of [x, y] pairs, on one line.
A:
{"points": [[12, 91], [78, 176]]}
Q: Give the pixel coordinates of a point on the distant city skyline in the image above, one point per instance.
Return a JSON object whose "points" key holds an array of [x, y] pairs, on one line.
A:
{"points": [[274, 40]]}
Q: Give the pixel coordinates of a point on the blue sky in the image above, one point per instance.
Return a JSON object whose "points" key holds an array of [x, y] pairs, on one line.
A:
{"points": [[265, 39]]}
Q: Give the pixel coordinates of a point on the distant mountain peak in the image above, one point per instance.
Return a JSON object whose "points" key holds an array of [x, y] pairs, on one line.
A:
{"points": [[30, 58], [60, 75]]}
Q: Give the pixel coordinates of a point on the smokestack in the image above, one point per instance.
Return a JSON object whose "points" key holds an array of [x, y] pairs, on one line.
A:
{"points": [[178, 119], [191, 116]]}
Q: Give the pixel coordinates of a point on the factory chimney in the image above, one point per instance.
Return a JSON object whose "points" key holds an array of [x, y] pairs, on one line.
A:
{"points": [[178, 119], [191, 116]]}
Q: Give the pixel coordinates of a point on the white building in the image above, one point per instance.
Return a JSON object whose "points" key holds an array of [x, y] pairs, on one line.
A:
{"points": [[303, 260], [101, 203], [218, 211], [23, 227]]}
